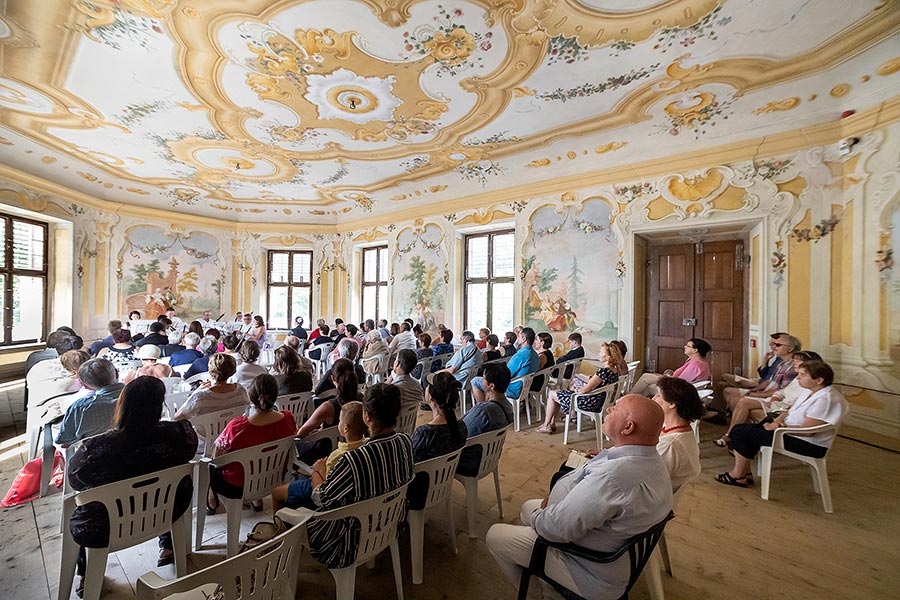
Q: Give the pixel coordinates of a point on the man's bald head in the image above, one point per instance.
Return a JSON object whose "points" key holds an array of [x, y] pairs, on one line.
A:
{"points": [[634, 420], [293, 341]]}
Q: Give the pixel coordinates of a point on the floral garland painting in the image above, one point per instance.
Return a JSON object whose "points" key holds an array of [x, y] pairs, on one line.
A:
{"points": [[160, 270], [449, 42]]}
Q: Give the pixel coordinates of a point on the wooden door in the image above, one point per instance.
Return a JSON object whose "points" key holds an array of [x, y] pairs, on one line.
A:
{"points": [[695, 290]]}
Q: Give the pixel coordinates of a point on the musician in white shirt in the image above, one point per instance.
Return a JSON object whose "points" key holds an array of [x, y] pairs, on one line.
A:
{"points": [[206, 322], [177, 323]]}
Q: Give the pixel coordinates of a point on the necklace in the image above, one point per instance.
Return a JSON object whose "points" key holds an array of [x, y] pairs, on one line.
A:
{"points": [[674, 427]]}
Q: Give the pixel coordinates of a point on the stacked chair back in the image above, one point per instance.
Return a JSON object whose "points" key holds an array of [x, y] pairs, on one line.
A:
{"points": [[213, 424], [299, 405], [629, 377], [818, 466], [267, 572], [174, 401], [440, 471], [609, 393], [524, 396], [139, 509], [491, 444], [406, 422]]}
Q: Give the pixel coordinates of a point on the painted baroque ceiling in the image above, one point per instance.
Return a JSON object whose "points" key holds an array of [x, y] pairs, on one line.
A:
{"points": [[331, 110]]}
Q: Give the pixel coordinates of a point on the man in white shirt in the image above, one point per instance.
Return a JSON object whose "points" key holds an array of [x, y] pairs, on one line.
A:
{"points": [[405, 340], [206, 322], [620, 493], [246, 324], [177, 323]]}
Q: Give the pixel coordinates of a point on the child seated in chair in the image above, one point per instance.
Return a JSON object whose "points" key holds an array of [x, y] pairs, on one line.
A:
{"points": [[299, 492]]}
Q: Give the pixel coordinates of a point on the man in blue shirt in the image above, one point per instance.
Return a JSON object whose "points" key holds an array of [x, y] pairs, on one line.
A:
{"points": [[492, 414], [467, 359], [189, 354], [106, 342], [523, 362], [91, 414]]}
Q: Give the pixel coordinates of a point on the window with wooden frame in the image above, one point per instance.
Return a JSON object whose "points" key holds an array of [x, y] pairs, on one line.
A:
{"points": [[289, 288], [23, 279], [489, 281], [374, 290]]}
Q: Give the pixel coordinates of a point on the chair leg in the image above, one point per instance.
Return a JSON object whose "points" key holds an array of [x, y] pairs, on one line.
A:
{"points": [[47, 456], [518, 417], [94, 571], [398, 570], [815, 479], [471, 484], [416, 520], [233, 509], [181, 539], [822, 476], [202, 490], [497, 488], [68, 557], [765, 470], [664, 554], [653, 578], [345, 582], [565, 429], [598, 431], [527, 405], [449, 504]]}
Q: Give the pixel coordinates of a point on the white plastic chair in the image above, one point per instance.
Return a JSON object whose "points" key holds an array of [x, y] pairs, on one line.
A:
{"points": [[517, 402], [702, 385], [199, 377], [174, 401], [181, 369], [378, 519], [558, 378], [629, 377], [163, 360], [213, 424], [545, 376], [491, 444], [139, 509], [817, 466], [271, 566], [406, 421], [441, 471], [299, 405], [173, 384], [265, 468], [319, 363], [375, 368], [611, 395]]}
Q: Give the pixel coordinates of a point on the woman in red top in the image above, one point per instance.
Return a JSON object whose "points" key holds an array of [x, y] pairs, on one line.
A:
{"points": [[264, 424]]}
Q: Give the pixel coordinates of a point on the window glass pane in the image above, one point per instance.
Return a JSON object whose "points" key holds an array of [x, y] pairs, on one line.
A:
{"points": [[3, 243], [382, 302], [300, 304], [278, 274], [301, 267], [28, 246], [383, 264], [28, 308], [368, 302], [370, 258], [278, 316], [476, 305], [477, 256], [502, 307], [504, 249]]}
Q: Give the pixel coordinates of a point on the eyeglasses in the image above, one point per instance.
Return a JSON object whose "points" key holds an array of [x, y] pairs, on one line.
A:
{"points": [[778, 344]]}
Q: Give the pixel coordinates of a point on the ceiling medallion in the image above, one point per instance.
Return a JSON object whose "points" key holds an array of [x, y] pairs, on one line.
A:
{"points": [[345, 95]]}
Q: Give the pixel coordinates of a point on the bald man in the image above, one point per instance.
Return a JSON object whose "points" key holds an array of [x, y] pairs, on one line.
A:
{"points": [[619, 493]]}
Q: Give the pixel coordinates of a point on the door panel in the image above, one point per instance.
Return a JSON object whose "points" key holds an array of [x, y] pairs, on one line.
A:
{"points": [[670, 294], [720, 302]]}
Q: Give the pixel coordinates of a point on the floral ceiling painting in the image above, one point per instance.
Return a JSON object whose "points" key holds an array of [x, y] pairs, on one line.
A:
{"points": [[331, 110], [569, 263], [160, 269], [421, 276]]}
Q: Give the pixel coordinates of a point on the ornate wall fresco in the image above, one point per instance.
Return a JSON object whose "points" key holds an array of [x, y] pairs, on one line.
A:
{"points": [[420, 275], [569, 261], [319, 111]]}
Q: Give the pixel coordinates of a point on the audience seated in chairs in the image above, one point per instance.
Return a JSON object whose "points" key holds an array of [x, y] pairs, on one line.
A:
{"points": [[612, 367], [755, 408], [346, 349], [820, 403], [174, 344], [156, 335], [483, 334], [575, 349], [465, 361], [216, 394], [231, 345], [207, 348], [190, 352], [677, 445], [508, 348], [381, 465], [92, 413], [781, 376], [445, 345], [106, 342], [289, 372], [328, 413], [122, 352], [150, 366], [299, 331], [375, 349], [139, 443], [490, 349], [410, 388], [317, 331], [695, 368], [621, 492], [263, 424], [545, 351], [247, 369], [782, 346], [320, 338], [523, 362], [493, 413], [67, 385], [404, 340], [299, 492], [423, 351]]}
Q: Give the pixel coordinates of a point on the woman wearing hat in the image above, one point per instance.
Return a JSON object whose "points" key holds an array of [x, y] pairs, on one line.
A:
{"points": [[150, 366]]}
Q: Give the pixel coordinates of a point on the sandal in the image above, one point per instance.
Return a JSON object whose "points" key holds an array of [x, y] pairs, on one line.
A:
{"points": [[748, 477], [727, 479], [545, 429], [257, 507], [166, 557], [210, 509], [723, 441]]}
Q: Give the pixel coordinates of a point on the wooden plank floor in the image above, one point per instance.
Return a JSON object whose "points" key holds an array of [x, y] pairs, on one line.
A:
{"points": [[724, 543]]}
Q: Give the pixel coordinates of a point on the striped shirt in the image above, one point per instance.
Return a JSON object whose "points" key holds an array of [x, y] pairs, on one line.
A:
{"points": [[377, 467]]}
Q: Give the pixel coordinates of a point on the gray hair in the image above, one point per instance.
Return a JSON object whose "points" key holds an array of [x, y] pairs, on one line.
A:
{"points": [[97, 373], [175, 337], [467, 336], [191, 339], [292, 341], [347, 348], [208, 345], [796, 346]]}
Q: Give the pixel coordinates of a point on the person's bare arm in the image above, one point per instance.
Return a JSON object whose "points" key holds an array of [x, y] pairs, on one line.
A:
{"points": [[320, 416]]}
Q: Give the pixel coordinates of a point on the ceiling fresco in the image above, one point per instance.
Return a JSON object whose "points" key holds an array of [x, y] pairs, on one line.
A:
{"points": [[331, 110]]}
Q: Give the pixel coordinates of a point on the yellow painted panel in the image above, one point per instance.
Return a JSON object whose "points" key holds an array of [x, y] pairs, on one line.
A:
{"points": [[235, 287], [659, 208], [798, 284], [842, 277], [794, 186], [731, 199], [248, 291]]}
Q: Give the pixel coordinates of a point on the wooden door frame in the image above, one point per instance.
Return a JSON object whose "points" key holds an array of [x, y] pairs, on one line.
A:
{"points": [[636, 277]]}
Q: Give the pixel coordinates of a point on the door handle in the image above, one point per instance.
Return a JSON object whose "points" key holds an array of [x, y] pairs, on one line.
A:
{"points": [[689, 322]]}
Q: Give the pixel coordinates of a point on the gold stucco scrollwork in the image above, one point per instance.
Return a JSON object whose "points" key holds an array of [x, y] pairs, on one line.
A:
{"points": [[778, 105]]}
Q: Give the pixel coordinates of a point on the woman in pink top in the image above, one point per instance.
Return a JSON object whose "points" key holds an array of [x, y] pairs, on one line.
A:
{"points": [[695, 368]]}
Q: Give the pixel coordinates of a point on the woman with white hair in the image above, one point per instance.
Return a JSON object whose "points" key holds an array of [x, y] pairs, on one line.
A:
{"points": [[346, 349], [375, 348]]}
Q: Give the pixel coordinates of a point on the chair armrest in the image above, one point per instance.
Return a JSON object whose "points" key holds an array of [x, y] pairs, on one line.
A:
{"points": [[582, 552], [147, 584], [295, 516], [778, 438]]}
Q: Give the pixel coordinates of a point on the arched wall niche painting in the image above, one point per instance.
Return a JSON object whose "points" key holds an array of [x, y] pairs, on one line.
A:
{"points": [[162, 268], [420, 276], [569, 275]]}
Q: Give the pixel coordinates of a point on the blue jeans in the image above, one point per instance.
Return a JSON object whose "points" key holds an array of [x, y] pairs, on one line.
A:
{"points": [[300, 493]]}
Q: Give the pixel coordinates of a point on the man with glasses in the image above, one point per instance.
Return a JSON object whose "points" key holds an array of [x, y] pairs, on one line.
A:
{"points": [[776, 370]]}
